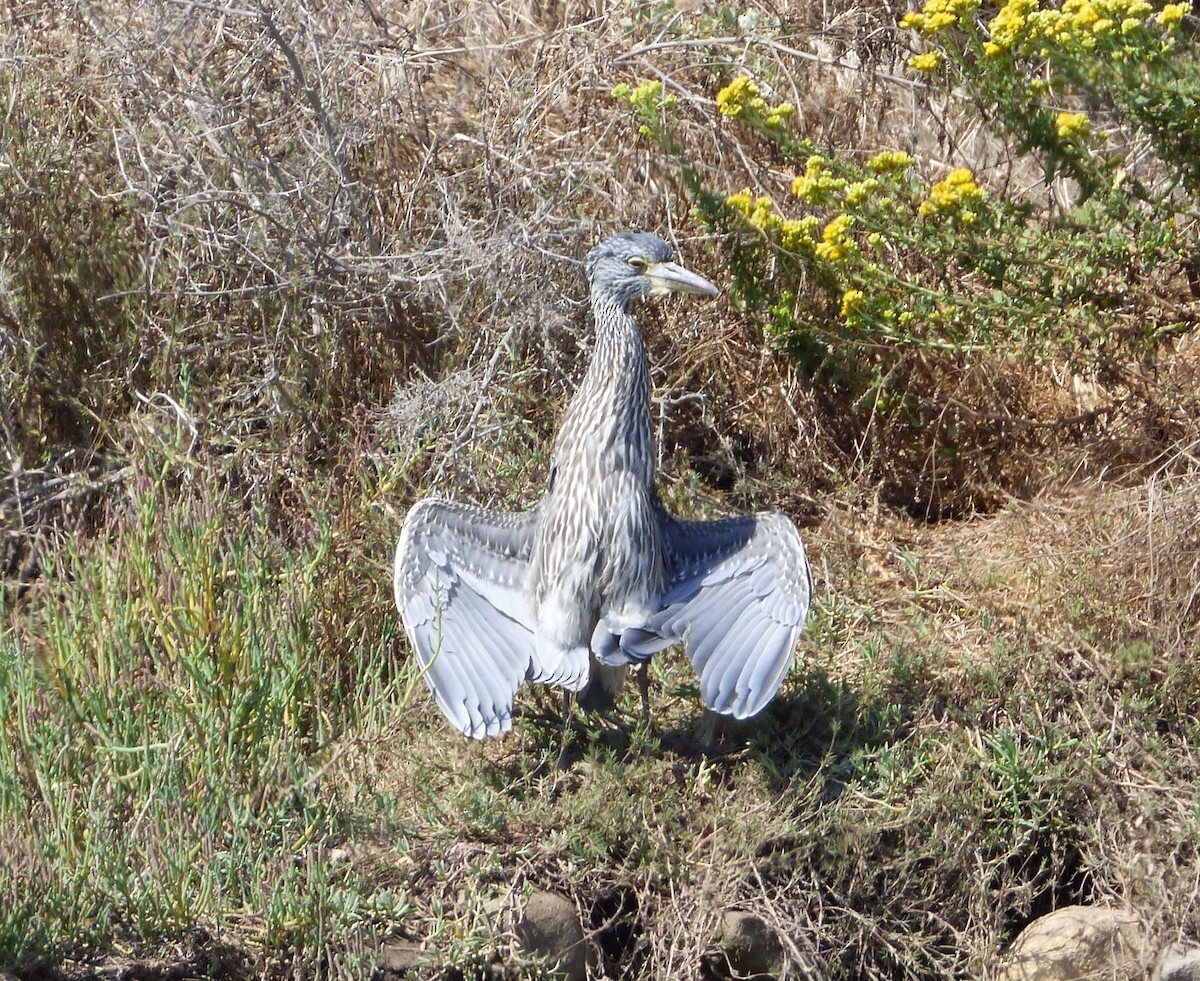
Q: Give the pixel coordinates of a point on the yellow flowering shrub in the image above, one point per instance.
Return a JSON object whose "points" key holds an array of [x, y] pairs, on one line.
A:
{"points": [[859, 260], [649, 100], [1009, 24], [1032, 63], [647, 96], [733, 99], [857, 192], [897, 288]]}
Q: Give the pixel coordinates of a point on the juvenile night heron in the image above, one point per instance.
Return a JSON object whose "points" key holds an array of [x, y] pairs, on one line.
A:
{"points": [[598, 576]]}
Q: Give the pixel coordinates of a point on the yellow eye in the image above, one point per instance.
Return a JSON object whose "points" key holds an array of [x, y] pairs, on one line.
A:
{"points": [[638, 263]]}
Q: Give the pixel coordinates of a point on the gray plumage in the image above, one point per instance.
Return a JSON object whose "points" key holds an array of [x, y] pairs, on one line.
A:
{"points": [[598, 576]]}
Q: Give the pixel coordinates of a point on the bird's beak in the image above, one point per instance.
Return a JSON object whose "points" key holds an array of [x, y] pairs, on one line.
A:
{"points": [[667, 277]]}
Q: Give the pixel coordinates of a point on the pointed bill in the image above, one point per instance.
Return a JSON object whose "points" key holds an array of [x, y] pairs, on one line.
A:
{"points": [[671, 277]]}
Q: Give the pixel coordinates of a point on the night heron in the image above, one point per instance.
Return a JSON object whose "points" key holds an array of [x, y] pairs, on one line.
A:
{"points": [[598, 576]]}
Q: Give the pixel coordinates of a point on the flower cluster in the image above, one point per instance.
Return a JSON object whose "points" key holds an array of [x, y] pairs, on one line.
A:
{"points": [[953, 196], [794, 234], [1070, 125], [799, 234], [759, 211], [1008, 26], [1081, 22], [646, 97], [890, 162], [927, 61], [852, 301], [937, 16], [816, 185], [859, 192], [1172, 14], [1023, 27], [836, 243], [742, 99]]}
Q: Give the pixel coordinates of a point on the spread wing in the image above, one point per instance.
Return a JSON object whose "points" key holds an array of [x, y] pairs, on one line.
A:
{"points": [[739, 593], [459, 581]]}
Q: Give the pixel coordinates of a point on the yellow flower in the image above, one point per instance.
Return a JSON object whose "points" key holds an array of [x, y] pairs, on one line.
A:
{"points": [[951, 194], [1082, 14], [852, 300], [1070, 125], [742, 99], [777, 114], [860, 191], [741, 200], [836, 242], [926, 62], [759, 211], [1129, 25], [647, 90], [647, 97], [936, 16], [816, 184], [1007, 26], [796, 235], [890, 162], [733, 99], [1103, 26], [1172, 14]]}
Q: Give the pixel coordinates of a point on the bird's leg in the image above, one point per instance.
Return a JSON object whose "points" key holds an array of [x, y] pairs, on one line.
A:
{"points": [[706, 729], [565, 731], [643, 683]]}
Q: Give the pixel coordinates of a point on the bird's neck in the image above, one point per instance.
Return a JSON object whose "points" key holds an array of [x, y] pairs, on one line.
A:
{"points": [[610, 413]]}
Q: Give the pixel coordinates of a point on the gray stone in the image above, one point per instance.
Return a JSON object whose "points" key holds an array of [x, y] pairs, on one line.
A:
{"points": [[400, 960], [550, 928], [1177, 962], [750, 943], [1074, 943]]}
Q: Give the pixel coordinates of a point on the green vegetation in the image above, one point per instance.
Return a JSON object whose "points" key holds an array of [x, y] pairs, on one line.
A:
{"points": [[267, 279]]}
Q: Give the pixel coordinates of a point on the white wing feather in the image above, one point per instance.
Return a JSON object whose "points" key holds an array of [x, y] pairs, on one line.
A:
{"points": [[738, 597], [459, 582]]}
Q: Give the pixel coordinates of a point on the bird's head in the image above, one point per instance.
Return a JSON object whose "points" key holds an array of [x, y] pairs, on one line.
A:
{"points": [[635, 264]]}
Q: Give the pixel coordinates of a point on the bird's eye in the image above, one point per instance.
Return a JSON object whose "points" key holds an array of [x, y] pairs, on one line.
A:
{"points": [[638, 263]]}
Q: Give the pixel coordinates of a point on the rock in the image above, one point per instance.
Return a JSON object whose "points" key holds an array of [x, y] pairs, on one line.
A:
{"points": [[1076, 942], [1177, 962], [550, 927], [750, 943], [400, 960]]}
